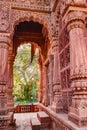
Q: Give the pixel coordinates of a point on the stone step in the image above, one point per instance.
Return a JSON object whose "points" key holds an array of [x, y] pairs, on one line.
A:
{"points": [[35, 123], [44, 119]]}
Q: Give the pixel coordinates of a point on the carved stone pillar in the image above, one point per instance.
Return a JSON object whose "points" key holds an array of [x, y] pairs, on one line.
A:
{"points": [[10, 83], [78, 58], [57, 103], [51, 77], [4, 115], [45, 88], [41, 83]]}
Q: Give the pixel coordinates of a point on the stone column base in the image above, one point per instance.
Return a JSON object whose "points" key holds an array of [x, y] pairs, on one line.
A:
{"points": [[57, 105], [56, 108], [78, 116]]}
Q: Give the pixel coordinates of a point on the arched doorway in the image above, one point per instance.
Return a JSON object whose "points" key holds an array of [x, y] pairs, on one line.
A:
{"points": [[35, 34]]}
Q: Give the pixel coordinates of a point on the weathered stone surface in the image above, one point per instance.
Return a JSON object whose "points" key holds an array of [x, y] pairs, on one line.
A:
{"points": [[62, 54]]}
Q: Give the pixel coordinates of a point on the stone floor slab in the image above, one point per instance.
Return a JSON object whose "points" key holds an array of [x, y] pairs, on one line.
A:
{"points": [[23, 120]]}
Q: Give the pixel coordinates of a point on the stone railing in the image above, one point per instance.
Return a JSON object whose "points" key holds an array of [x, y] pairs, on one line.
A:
{"points": [[26, 108]]}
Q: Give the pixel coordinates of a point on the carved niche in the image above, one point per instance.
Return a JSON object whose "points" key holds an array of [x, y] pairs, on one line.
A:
{"points": [[4, 17]]}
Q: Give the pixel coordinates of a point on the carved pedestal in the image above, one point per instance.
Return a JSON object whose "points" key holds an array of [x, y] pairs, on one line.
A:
{"points": [[57, 103], [78, 109]]}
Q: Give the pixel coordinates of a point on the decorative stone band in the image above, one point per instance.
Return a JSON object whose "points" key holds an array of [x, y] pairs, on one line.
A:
{"points": [[80, 2], [79, 84], [56, 87], [75, 24], [79, 72], [3, 89], [75, 19], [79, 88], [4, 40]]}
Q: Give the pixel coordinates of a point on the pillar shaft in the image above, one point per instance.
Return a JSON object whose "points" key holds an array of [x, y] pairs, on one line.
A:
{"points": [[57, 103], [51, 77], [10, 83], [78, 58], [41, 84], [4, 115], [45, 84]]}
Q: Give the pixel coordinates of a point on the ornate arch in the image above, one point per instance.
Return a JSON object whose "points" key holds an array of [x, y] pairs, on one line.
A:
{"points": [[21, 16]]}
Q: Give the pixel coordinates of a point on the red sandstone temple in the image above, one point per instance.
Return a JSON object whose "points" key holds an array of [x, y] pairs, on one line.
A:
{"points": [[59, 29]]}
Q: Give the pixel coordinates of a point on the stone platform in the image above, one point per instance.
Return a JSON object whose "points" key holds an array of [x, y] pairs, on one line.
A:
{"points": [[30, 121], [23, 120], [60, 120]]}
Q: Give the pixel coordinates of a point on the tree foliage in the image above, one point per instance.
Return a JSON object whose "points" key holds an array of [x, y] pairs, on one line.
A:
{"points": [[26, 74]]}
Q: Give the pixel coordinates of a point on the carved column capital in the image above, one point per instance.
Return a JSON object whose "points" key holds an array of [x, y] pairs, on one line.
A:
{"points": [[54, 42], [4, 39], [75, 19], [75, 24], [54, 46]]}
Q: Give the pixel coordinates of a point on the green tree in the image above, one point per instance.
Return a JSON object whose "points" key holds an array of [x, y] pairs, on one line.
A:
{"points": [[26, 74]]}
